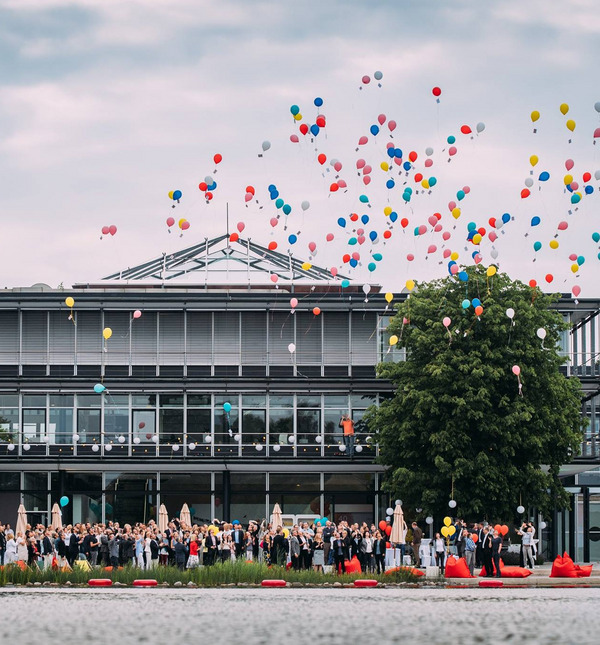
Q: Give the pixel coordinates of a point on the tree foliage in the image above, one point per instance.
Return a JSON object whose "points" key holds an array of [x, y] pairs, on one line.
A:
{"points": [[458, 424]]}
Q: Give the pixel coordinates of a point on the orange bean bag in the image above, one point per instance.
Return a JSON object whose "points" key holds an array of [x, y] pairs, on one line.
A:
{"points": [[584, 570], [515, 572], [352, 566], [457, 568], [563, 567], [414, 571]]}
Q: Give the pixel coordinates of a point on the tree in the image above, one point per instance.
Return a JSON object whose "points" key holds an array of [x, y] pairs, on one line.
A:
{"points": [[461, 423]]}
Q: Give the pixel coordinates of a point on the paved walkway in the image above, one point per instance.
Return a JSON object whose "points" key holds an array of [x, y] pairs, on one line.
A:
{"points": [[540, 577]]}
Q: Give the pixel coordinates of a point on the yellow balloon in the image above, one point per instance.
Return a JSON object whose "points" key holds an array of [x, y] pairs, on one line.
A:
{"points": [[456, 212], [286, 533], [568, 179], [444, 531], [410, 285], [533, 160], [389, 297], [171, 194], [535, 115], [554, 244], [447, 521], [387, 211], [306, 266], [393, 340], [452, 530], [181, 222], [69, 302], [454, 256], [477, 238], [298, 117], [385, 166], [571, 125], [574, 268], [107, 333], [425, 183], [564, 108], [491, 270]]}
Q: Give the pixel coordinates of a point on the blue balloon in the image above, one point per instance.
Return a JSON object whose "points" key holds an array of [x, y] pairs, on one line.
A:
{"points": [[314, 128], [390, 152], [364, 219], [373, 235], [353, 262], [374, 130], [432, 182], [474, 254], [64, 500], [287, 209], [99, 388], [345, 283], [544, 176], [227, 407], [407, 165], [471, 226], [352, 241], [466, 303], [342, 222], [177, 194], [274, 194], [589, 190], [390, 183], [580, 260], [398, 153], [451, 139], [371, 266], [476, 302], [535, 221], [463, 276], [378, 257], [318, 101], [460, 195], [272, 187], [506, 218], [279, 203], [211, 187], [568, 187], [537, 246], [294, 110], [393, 216], [471, 234], [292, 239]]}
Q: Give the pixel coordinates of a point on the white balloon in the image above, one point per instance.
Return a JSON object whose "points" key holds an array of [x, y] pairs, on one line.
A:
{"points": [[541, 333], [258, 447], [429, 151], [192, 446], [291, 438], [388, 519], [542, 523], [597, 106], [95, 447], [266, 145], [343, 448], [108, 448], [207, 439], [597, 174], [529, 182], [480, 127], [366, 289], [75, 438], [429, 519], [398, 502], [494, 253], [389, 511], [10, 447], [276, 448], [136, 440], [291, 348], [510, 312], [305, 205], [175, 448], [358, 449], [319, 439], [121, 439], [520, 509], [26, 447], [452, 503]]}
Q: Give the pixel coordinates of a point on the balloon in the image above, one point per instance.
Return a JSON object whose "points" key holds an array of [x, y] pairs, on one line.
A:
{"points": [[266, 145], [107, 333], [274, 277], [105, 230], [287, 209], [480, 127], [227, 407], [318, 101], [177, 195], [516, 370], [303, 128], [564, 108], [491, 270], [234, 237], [322, 158], [541, 333], [410, 285], [99, 388], [291, 348], [64, 500], [537, 246], [436, 91], [569, 163], [466, 303], [563, 226], [478, 310], [293, 302], [137, 314], [510, 312], [241, 226], [504, 529], [535, 221], [294, 110], [305, 205], [447, 521], [362, 141], [576, 290], [446, 322], [69, 302], [549, 277], [535, 115], [444, 531], [465, 129], [382, 525], [374, 130], [316, 311], [570, 125], [533, 160], [292, 239], [217, 158], [294, 138]]}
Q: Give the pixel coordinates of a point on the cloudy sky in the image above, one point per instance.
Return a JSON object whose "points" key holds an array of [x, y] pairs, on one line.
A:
{"points": [[107, 105]]}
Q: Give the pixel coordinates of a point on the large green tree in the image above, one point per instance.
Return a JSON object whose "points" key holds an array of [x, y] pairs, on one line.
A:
{"points": [[461, 423]]}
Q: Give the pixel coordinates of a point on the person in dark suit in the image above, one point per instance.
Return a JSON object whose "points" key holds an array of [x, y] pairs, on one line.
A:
{"points": [[486, 551], [496, 550], [340, 552], [416, 543], [478, 529], [379, 551], [212, 544], [237, 537], [279, 548], [181, 553]]}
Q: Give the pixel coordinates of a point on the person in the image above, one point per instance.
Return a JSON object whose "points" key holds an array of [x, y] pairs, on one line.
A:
{"points": [[486, 551], [318, 550], [295, 549], [2, 545], [440, 552], [416, 543], [527, 542], [327, 535], [478, 529], [22, 551], [180, 553], [237, 537], [366, 547], [348, 426], [212, 545], [305, 549], [339, 552], [459, 541], [47, 550], [193, 560], [496, 550], [139, 550], [279, 548], [249, 546], [379, 551], [469, 551], [61, 549], [227, 547], [114, 545]]}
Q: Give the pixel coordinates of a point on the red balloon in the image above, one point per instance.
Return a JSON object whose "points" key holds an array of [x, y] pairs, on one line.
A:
{"points": [[208, 195], [418, 177], [478, 310], [436, 91], [250, 189], [334, 187], [404, 222], [342, 183], [465, 129], [106, 230], [533, 284], [346, 258], [322, 158], [272, 246], [294, 138], [316, 311], [202, 186], [497, 527], [387, 234], [412, 156], [525, 193], [141, 425], [452, 151], [504, 529], [320, 121], [366, 79], [492, 222], [549, 278], [112, 229], [392, 125], [234, 237], [303, 128], [474, 537], [217, 158], [353, 217], [362, 141], [382, 525], [185, 225], [586, 177], [388, 530]]}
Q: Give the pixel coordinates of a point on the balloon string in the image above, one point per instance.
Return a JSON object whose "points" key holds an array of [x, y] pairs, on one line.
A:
{"points": [[520, 385]]}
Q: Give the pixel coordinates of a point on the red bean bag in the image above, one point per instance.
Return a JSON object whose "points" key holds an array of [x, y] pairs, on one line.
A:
{"points": [[484, 572], [563, 567], [352, 566], [515, 572], [584, 570], [273, 583], [457, 568], [365, 583], [414, 571]]}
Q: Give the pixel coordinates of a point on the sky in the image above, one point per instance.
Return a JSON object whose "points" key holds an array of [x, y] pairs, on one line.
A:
{"points": [[106, 106]]}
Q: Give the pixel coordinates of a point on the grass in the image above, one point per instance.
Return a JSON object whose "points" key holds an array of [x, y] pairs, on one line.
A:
{"points": [[219, 574]]}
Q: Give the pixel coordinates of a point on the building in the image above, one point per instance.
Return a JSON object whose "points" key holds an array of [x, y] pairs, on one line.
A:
{"points": [[220, 394]]}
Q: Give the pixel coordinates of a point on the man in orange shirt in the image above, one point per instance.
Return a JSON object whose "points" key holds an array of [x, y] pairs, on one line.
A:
{"points": [[348, 425]]}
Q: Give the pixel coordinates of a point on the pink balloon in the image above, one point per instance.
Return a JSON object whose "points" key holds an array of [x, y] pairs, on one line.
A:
{"points": [[438, 228], [451, 206], [432, 248], [366, 180], [446, 236], [454, 269], [452, 151], [185, 225], [274, 221], [112, 229], [405, 320], [596, 133], [466, 190], [361, 239], [293, 302], [492, 235], [516, 370], [360, 163], [381, 118], [248, 197], [433, 220], [341, 183], [360, 231], [311, 247], [366, 79], [569, 163], [447, 253], [106, 229], [241, 226], [294, 138], [574, 185], [422, 229], [573, 257], [389, 145], [478, 258], [337, 166], [274, 277], [428, 163], [563, 226], [410, 257], [367, 170], [137, 314], [356, 256], [362, 141], [333, 271], [398, 161], [446, 322], [576, 290], [392, 125], [170, 221]]}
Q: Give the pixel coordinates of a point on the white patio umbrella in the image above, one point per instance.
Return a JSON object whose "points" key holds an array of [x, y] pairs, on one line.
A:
{"points": [[276, 517], [185, 516], [163, 518], [399, 528], [56, 523], [21, 520]]}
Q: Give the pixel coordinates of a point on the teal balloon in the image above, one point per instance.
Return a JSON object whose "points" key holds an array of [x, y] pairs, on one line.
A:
{"points": [[537, 246], [596, 237], [227, 407], [287, 209], [371, 266], [460, 195], [432, 182], [466, 303], [64, 500], [378, 257], [352, 241], [471, 226], [345, 283], [279, 203], [364, 199], [294, 109], [580, 260], [99, 388], [575, 198], [451, 139]]}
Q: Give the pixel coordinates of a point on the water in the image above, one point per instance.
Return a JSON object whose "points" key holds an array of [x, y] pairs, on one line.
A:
{"points": [[333, 616]]}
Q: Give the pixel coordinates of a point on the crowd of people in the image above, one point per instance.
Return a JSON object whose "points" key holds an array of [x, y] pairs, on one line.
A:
{"points": [[303, 546]]}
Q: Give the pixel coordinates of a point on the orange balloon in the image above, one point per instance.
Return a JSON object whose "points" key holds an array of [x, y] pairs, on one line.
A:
{"points": [[504, 529], [316, 311]]}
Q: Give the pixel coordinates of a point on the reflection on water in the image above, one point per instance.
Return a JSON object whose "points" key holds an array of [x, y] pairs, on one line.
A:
{"points": [[328, 616]]}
